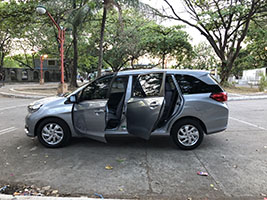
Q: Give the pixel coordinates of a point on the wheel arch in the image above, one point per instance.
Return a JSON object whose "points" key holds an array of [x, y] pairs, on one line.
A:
{"points": [[191, 118], [50, 117]]}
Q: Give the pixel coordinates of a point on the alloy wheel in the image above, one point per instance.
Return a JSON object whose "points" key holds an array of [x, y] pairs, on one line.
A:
{"points": [[188, 135], [52, 133]]}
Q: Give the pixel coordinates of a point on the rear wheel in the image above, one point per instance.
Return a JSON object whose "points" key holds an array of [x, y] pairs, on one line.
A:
{"points": [[187, 134], [53, 133]]}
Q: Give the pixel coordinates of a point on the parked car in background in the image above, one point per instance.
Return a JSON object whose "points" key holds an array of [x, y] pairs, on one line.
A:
{"points": [[184, 104]]}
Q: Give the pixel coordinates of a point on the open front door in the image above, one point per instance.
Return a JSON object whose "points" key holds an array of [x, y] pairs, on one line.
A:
{"points": [[144, 108], [89, 115]]}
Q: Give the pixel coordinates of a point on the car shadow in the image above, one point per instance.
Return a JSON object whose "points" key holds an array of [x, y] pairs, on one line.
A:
{"points": [[127, 141], [130, 142]]}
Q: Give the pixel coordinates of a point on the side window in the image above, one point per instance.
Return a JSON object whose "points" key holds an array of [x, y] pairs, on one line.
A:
{"points": [[147, 85], [119, 85], [97, 89], [192, 85]]}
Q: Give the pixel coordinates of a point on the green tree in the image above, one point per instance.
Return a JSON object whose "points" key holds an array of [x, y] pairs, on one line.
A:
{"points": [[127, 44], [107, 4], [164, 41], [263, 83], [254, 54], [243, 62], [79, 14], [72, 15], [257, 43], [204, 57], [16, 18], [121, 45], [224, 24]]}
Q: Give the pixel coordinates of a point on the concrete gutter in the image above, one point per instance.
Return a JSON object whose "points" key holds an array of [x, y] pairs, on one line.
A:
{"points": [[11, 197]]}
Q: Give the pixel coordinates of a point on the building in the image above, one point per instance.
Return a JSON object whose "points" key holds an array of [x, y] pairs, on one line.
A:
{"points": [[51, 72], [253, 76]]}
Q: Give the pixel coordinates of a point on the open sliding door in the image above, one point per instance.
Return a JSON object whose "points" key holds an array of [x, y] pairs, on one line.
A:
{"points": [[144, 108]]}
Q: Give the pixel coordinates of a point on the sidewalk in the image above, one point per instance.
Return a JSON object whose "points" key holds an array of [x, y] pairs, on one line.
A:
{"points": [[29, 90], [37, 91], [251, 96]]}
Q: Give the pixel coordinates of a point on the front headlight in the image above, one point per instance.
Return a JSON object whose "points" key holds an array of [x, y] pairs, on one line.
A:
{"points": [[33, 107]]}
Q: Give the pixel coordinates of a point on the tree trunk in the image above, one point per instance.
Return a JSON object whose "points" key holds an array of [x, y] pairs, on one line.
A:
{"points": [[67, 71], [225, 72], [163, 61], [33, 62], [100, 58], [73, 76], [73, 79], [132, 62], [2, 61]]}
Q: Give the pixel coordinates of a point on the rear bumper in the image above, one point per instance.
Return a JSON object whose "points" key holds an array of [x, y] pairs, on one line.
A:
{"points": [[217, 131], [217, 124]]}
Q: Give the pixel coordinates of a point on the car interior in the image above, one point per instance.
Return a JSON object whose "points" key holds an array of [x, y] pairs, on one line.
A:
{"points": [[116, 102], [170, 97], [117, 96]]}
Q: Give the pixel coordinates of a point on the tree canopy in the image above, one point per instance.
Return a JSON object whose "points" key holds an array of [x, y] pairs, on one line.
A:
{"points": [[224, 24], [15, 20], [130, 33], [203, 57], [164, 41]]}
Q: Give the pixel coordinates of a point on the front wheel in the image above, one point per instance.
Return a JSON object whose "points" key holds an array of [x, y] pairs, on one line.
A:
{"points": [[187, 134], [53, 133]]}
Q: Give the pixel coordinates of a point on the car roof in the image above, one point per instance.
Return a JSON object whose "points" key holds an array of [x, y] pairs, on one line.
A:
{"points": [[196, 73]]}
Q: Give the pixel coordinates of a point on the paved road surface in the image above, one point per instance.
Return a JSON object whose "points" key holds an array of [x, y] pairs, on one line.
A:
{"points": [[236, 160]]}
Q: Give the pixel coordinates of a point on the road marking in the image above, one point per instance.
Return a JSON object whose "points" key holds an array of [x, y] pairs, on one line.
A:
{"points": [[7, 130], [250, 124], [11, 107]]}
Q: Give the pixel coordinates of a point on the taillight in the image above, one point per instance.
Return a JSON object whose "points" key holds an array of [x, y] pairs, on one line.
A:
{"points": [[221, 97]]}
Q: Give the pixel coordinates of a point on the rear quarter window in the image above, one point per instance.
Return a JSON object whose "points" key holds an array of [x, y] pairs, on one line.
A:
{"points": [[192, 85]]}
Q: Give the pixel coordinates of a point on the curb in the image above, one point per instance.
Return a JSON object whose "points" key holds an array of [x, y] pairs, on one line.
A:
{"points": [[247, 98], [28, 93], [6, 94]]}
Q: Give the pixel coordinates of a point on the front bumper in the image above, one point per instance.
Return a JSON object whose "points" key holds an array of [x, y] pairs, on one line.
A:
{"points": [[29, 125], [27, 131]]}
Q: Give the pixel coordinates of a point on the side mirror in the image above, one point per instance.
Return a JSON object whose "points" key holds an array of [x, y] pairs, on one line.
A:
{"points": [[73, 99]]}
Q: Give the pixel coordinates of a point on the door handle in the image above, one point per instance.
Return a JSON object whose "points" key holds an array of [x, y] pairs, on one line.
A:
{"points": [[154, 104]]}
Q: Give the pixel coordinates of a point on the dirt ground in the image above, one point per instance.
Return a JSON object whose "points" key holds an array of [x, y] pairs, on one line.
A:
{"points": [[241, 90]]}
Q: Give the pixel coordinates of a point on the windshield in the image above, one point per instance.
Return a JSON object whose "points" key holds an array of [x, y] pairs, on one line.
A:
{"points": [[86, 84], [77, 90]]}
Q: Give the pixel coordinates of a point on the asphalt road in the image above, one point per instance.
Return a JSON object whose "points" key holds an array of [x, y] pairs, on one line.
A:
{"points": [[236, 160]]}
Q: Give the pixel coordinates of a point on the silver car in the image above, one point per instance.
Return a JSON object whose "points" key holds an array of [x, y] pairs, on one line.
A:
{"points": [[184, 104]]}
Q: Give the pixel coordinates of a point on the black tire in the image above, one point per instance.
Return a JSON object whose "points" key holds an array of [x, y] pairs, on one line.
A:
{"points": [[61, 133], [194, 134]]}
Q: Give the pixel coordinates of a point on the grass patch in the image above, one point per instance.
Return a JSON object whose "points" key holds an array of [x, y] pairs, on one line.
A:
{"points": [[241, 90]]}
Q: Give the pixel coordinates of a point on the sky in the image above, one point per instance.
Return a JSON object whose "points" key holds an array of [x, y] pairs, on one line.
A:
{"points": [[180, 9]]}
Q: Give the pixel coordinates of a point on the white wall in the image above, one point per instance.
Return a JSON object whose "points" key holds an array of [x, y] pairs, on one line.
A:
{"points": [[253, 74]]}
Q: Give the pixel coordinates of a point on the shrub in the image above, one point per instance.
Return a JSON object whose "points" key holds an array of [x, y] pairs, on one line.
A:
{"points": [[263, 83]]}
